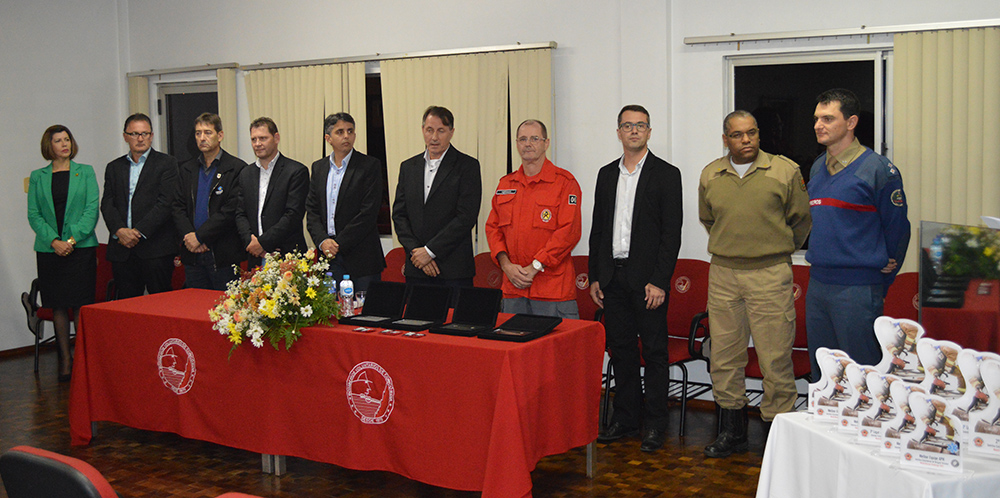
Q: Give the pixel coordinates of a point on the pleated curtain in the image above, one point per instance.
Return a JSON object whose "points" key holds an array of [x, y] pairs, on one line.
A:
{"points": [[489, 94], [226, 88], [138, 95], [946, 95]]}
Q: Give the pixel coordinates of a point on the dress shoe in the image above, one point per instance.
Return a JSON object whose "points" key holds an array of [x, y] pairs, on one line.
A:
{"points": [[615, 432], [652, 440]]}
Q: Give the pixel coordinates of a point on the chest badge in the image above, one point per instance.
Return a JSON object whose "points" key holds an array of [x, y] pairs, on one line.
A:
{"points": [[218, 190], [546, 215]]}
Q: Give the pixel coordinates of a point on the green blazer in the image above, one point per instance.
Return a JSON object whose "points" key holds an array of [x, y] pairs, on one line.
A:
{"points": [[82, 203]]}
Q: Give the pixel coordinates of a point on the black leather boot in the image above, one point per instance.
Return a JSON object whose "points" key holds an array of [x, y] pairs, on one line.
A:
{"points": [[732, 436]]}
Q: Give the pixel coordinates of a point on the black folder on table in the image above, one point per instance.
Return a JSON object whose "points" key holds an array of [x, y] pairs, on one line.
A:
{"points": [[522, 328], [475, 312], [426, 307], [384, 303]]}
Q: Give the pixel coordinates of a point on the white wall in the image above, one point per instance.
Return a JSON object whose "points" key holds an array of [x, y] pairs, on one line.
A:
{"points": [[59, 64], [65, 61]]}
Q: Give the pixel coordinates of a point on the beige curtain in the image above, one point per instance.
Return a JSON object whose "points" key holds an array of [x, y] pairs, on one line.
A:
{"points": [[226, 87], [475, 88], [299, 98], [946, 101], [138, 95]]}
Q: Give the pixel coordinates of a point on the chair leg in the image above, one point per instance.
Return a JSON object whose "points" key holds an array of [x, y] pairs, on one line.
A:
{"points": [[684, 398], [607, 393], [38, 336]]}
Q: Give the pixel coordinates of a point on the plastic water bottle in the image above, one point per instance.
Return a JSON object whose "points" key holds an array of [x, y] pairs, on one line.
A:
{"points": [[937, 251], [346, 296]]}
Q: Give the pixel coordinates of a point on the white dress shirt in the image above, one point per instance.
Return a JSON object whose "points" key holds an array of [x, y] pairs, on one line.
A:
{"points": [[265, 178], [333, 180], [624, 203]]}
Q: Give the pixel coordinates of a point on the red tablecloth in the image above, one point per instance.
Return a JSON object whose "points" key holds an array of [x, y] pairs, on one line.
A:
{"points": [[466, 413], [975, 325]]}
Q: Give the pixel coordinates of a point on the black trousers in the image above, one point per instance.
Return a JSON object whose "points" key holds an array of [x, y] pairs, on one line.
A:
{"points": [[626, 322], [134, 276]]}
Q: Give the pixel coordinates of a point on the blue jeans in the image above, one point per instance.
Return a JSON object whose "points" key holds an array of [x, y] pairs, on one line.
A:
{"points": [[562, 309], [842, 317]]}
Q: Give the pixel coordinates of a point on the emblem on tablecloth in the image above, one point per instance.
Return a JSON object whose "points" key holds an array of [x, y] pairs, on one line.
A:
{"points": [[175, 362], [370, 393], [495, 278]]}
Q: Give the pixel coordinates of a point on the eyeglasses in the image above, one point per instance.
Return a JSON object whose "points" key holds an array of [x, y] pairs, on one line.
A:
{"points": [[737, 135], [627, 127], [137, 134], [533, 140]]}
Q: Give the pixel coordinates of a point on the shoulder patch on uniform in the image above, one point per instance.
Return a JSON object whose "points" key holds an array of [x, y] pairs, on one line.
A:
{"points": [[508, 191], [897, 197], [802, 183], [572, 200], [892, 170]]}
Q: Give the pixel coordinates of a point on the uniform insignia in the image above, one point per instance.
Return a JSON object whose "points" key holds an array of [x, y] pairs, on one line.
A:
{"points": [[572, 200], [509, 191], [802, 184], [897, 197], [892, 170], [546, 215], [218, 175], [218, 190]]}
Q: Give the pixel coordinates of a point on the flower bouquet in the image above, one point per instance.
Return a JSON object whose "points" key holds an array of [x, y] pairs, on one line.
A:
{"points": [[969, 251], [275, 301]]}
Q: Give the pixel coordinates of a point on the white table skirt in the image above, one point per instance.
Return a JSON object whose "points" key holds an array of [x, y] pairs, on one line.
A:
{"points": [[808, 459]]}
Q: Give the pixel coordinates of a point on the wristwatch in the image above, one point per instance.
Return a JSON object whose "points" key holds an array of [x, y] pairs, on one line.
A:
{"points": [[537, 265]]}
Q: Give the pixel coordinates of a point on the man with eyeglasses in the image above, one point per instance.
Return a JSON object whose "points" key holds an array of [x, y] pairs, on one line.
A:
{"points": [[139, 190], [533, 226], [756, 210], [634, 240]]}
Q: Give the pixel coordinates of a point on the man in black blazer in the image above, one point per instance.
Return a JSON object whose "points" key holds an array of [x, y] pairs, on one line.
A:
{"points": [[205, 210], [347, 184], [436, 206], [139, 189], [634, 240], [272, 197]]}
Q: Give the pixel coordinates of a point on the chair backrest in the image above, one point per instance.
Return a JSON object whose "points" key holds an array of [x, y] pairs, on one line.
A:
{"points": [[800, 284], [903, 300], [394, 262], [688, 295], [177, 278], [34, 473], [488, 273], [104, 274], [585, 305]]}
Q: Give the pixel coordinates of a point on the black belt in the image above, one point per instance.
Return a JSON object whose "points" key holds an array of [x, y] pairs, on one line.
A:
{"points": [[621, 262]]}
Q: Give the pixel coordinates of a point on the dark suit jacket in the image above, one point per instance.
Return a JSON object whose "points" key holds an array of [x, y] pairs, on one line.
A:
{"points": [[151, 206], [219, 230], [656, 225], [444, 222], [356, 218], [284, 206]]}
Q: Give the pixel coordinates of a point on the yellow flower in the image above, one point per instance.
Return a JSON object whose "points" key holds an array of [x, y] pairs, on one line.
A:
{"points": [[303, 266], [310, 293], [988, 251], [287, 276], [235, 338], [266, 288]]}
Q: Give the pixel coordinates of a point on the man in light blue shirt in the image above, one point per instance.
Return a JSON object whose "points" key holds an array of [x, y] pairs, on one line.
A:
{"points": [[345, 195]]}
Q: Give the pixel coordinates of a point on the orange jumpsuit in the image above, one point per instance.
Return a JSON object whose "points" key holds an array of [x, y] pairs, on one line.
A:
{"points": [[537, 217]]}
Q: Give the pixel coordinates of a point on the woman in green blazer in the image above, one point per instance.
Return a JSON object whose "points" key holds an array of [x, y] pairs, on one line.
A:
{"points": [[63, 203]]}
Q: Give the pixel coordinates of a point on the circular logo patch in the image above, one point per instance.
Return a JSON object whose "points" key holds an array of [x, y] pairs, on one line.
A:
{"points": [[494, 279], [682, 284], [546, 215], [978, 442], [175, 363], [888, 445], [916, 301], [796, 291], [582, 281], [897, 197], [370, 393]]}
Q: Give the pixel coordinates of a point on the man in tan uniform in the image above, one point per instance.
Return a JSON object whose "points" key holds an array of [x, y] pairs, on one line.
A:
{"points": [[756, 210]]}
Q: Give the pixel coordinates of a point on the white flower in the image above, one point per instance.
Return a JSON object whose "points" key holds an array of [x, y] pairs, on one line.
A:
{"points": [[973, 243], [256, 341], [313, 281], [306, 311]]}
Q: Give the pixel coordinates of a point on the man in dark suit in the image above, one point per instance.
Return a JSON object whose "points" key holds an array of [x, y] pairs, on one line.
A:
{"points": [[634, 240], [436, 206], [139, 189], [272, 197], [205, 210], [345, 195]]}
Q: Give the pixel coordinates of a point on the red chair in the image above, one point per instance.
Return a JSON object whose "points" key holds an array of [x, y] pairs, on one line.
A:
{"points": [[585, 305], [178, 276], [903, 300], [37, 315], [488, 273], [34, 473], [394, 263]]}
